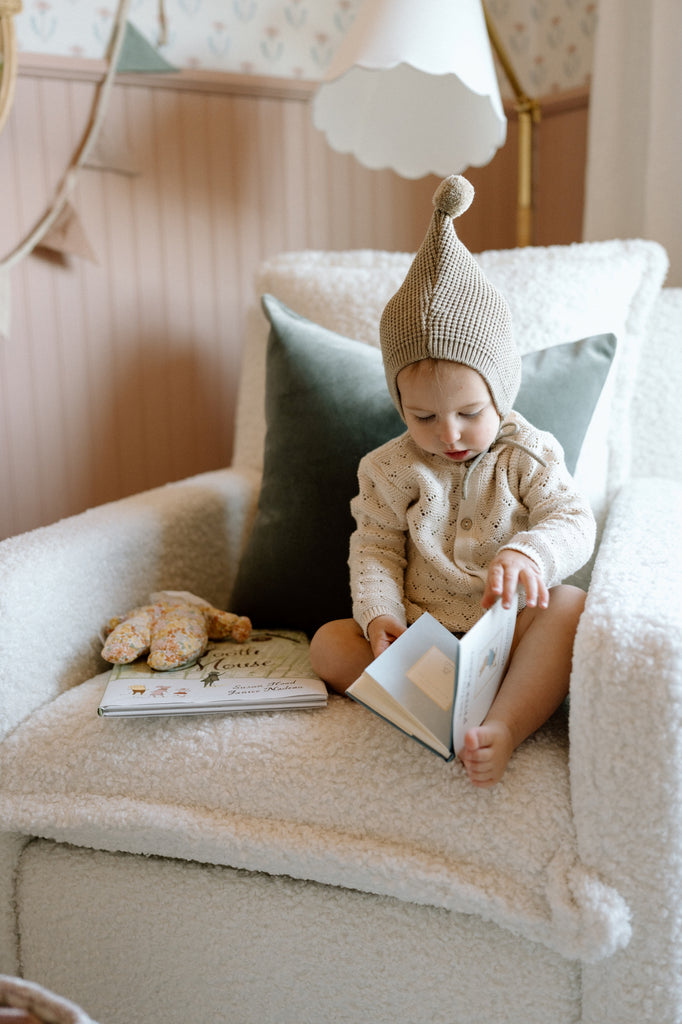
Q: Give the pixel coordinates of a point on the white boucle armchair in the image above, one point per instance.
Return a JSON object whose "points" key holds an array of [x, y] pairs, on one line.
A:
{"points": [[320, 866]]}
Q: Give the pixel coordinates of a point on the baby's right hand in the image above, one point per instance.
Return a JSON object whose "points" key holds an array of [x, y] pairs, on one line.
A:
{"points": [[382, 631]]}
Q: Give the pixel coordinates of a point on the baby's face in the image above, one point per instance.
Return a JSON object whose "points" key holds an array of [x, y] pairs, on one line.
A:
{"points": [[448, 409]]}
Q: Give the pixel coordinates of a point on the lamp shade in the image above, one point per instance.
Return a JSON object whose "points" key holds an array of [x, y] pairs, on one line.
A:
{"points": [[413, 87]]}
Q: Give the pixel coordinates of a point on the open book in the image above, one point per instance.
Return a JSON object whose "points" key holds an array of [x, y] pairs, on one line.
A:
{"points": [[268, 672], [435, 687]]}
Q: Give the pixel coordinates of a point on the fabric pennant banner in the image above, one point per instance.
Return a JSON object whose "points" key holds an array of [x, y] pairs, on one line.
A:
{"points": [[138, 54], [58, 211], [111, 154], [67, 236]]}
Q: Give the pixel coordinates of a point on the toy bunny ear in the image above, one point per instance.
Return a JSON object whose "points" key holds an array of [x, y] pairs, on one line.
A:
{"points": [[454, 195], [129, 636], [222, 625]]}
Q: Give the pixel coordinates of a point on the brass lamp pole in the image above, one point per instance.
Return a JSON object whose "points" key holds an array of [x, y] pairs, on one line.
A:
{"points": [[528, 112]]}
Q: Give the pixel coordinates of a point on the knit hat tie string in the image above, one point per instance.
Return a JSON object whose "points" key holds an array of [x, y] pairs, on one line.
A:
{"points": [[505, 435]]}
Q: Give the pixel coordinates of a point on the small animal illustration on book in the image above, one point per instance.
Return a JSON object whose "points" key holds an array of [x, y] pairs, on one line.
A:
{"points": [[489, 661]]}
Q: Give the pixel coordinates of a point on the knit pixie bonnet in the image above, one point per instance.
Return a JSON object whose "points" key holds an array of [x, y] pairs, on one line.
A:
{"points": [[446, 308]]}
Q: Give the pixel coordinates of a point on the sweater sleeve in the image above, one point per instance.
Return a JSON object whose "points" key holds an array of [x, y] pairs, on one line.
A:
{"points": [[377, 547], [561, 527]]}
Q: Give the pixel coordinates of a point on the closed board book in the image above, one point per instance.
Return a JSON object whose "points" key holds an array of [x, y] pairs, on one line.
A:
{"points": [[268, 672], [434, 686]]}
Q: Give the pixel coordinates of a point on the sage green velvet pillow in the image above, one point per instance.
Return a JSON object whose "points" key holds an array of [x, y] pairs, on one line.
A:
{"points": [[326, 405]]}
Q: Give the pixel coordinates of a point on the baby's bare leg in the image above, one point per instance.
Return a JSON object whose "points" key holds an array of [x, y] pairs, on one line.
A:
{"points": [[339, 653], [536, 683]]}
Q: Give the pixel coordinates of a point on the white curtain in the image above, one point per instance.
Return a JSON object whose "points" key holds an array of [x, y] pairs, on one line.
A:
{"points": [[634, 166]]}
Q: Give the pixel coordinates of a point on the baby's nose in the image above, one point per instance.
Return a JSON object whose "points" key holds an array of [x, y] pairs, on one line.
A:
{"points": [[450, 431]]}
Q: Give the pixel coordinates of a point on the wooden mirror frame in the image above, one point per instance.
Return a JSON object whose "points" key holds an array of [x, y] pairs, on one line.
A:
{"points": [[8, 50]]}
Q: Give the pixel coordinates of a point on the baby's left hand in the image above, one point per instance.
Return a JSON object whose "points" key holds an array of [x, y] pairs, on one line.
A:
{"points": [[508, 570]]}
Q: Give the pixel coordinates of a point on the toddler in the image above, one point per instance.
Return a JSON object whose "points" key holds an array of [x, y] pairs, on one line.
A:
{"points": [[469, 504]]}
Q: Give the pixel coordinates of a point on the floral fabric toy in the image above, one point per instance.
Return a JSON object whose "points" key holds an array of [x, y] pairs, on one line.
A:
{"points": [[173, 629]]}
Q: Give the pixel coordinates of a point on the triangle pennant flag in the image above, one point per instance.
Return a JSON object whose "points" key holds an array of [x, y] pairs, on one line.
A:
{"points": [[137, 54], [67, 236], [111, 154], [5, 296]]}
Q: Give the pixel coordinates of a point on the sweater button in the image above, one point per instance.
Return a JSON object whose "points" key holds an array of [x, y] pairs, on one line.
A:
{"points": [[466, 524]]}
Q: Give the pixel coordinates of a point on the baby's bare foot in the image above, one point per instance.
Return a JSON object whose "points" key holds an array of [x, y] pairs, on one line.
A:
{"points": [[486, 752]]}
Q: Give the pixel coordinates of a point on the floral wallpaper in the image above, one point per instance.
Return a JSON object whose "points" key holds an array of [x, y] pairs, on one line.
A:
{"points": [[549, 41]]}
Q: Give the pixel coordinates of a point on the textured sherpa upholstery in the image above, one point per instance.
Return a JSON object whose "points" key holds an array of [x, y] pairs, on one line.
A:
{"points": [[77, 778], [315, 866], [44, 1006]]}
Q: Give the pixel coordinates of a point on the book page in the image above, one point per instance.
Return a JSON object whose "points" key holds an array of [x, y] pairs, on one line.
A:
{"points": [[418, 672], [433, 674], [483, 655]]}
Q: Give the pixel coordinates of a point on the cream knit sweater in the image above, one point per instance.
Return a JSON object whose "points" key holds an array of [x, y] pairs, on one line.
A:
{"points": [[420, 545]]}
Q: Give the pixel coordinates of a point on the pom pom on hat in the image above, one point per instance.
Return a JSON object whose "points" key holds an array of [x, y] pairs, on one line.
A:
{"points": [[446, 308], [454, 195]]}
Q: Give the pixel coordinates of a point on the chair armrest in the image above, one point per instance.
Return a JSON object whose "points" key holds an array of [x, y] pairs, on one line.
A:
{"points": [[626, 738], [59, 585]]}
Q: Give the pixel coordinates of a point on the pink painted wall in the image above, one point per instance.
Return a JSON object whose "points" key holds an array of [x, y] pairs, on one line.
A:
{"points": [[121, 374]]}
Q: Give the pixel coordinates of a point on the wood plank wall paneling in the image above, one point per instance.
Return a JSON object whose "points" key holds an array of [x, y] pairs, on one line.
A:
{"points": [[121, 374]]}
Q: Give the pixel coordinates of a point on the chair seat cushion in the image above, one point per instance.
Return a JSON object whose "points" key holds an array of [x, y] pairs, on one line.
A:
{"points": [[334, 795]]}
